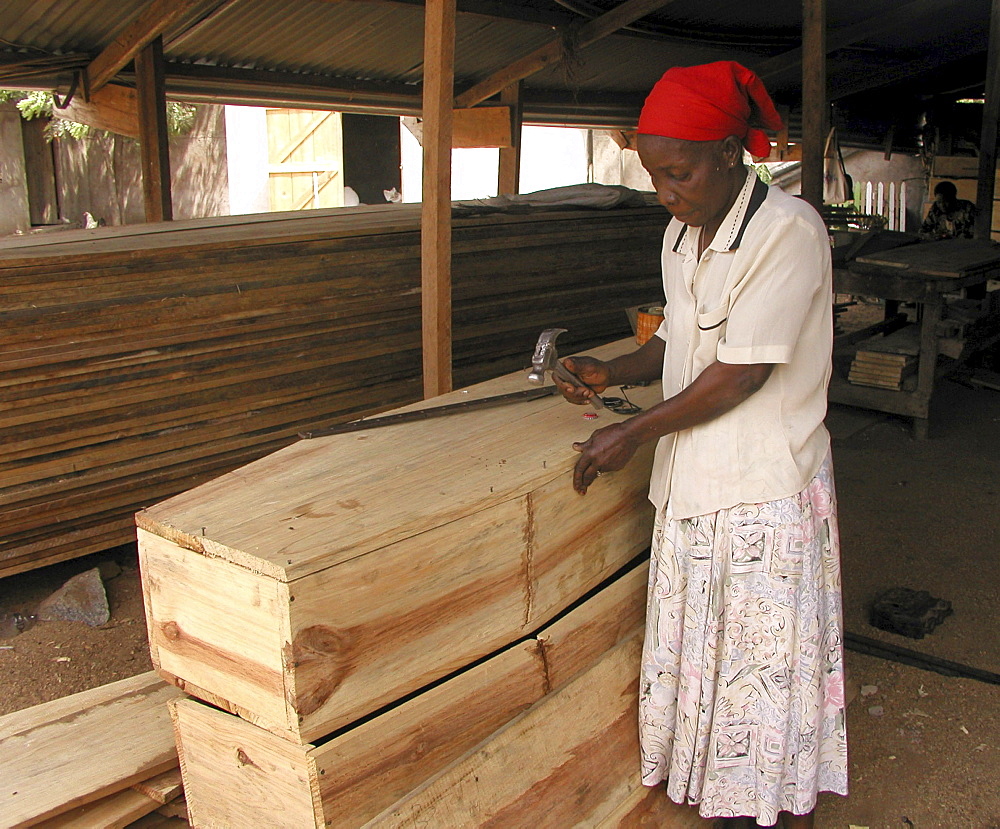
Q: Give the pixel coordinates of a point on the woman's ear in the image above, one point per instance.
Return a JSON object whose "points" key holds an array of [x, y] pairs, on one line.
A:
{"points": [[732, 150]]}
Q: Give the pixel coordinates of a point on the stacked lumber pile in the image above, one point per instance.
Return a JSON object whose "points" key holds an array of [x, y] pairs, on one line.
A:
{"points": [[138, 362], [104, 757], [417, 624], [886, 361]]}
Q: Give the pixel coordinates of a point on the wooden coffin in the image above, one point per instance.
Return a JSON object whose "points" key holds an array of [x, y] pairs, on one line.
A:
{"points": [[572, 759], [329, 579], [236, 774], [138, 362]]}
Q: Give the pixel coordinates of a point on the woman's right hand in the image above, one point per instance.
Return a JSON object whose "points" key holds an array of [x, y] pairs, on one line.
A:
{"points": [[595, 373]]}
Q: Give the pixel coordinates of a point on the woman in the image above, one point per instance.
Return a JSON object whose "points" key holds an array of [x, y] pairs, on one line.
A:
{"points": [[741, 688]]}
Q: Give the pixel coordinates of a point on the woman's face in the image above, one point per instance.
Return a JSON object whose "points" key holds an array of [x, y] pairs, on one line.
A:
{"points": [[694, 180]]}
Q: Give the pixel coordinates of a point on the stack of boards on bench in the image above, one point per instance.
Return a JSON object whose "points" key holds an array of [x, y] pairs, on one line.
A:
{"points": [[421, 624]]}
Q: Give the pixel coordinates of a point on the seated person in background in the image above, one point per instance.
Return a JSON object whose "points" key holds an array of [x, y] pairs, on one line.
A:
{"points": [[949, 217]]}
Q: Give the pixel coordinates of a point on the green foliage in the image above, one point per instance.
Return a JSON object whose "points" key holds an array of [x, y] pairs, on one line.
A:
{"points": [[180, 117], [36, 104], [763, 173]]}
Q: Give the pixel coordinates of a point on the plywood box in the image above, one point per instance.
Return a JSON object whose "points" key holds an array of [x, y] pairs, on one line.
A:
{"points": [[328, 580]]}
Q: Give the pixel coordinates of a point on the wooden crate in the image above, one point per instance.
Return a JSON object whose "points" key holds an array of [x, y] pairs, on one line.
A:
{"points": [[331, 578]]}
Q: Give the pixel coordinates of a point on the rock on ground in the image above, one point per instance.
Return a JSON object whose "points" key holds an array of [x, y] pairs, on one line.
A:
{"points": [[81, 599]]}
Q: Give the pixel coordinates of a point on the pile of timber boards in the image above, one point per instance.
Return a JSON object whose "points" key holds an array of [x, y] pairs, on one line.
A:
{"points": [[885, 361], [415, 625], [100, 758], [138, 362]]}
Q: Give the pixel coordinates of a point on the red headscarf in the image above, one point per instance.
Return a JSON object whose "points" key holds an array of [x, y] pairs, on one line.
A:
{"points": [[709, 103]]}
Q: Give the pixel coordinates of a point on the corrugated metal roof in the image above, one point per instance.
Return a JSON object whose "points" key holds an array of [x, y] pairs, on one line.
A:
{"points": [[369, 55]]}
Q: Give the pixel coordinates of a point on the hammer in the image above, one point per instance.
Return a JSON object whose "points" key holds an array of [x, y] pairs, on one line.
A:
{"points": [[546, 358]]}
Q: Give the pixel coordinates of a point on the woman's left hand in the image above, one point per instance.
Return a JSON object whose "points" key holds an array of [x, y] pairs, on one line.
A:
{"points": [[607, 450]]}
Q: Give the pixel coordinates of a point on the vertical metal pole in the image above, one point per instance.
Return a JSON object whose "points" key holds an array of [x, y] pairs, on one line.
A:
{"points": [[814, 127]]}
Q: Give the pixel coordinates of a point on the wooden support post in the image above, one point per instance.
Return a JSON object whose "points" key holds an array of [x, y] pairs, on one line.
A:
{"points": [[510, 157], [153, 148], [435, 219], [813, 99], [988, 137]]}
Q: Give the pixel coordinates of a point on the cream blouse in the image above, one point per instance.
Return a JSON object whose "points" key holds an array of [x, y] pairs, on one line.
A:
{"points": [[762, 293]]}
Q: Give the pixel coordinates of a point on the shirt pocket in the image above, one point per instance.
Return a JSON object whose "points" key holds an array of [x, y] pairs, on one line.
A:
{"points": [[710, 320]]}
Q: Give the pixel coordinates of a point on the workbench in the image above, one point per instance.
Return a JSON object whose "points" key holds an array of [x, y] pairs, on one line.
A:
{"points": [[927, 275]]}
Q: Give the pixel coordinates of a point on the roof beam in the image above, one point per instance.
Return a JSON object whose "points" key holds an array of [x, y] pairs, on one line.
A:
{"points": [[574, 37], [791, 61], [885, 75], [149, 25]]}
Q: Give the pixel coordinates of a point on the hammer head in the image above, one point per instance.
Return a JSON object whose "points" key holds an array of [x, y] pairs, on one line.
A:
{"points": [[545, 358]]}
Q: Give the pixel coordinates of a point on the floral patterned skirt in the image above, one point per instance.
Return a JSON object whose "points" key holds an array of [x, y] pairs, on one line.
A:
{"points": [[741, 706]]}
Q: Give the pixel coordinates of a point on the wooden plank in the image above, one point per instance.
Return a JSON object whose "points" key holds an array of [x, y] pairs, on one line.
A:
{"points": [[40, 174], [496, 571], [555, 50], [126, 358], [814, 99], [236, 775], [154, 151], [485, 126], [651, 807], [583, 739], [351, 777], [435, 234], [577, 640], [493, 469], [93, 743], [163, 788], [948, 258], [151, 23], [112, 107], [509, 171], [115, 811], [194, 602]]}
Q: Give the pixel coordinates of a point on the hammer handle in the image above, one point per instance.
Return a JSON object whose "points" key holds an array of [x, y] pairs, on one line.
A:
{"points": [[568, 376]]}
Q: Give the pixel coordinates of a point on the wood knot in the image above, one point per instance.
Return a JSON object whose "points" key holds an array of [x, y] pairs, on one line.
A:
{"points": [[321, 656], [244, 760], [171, 630]]}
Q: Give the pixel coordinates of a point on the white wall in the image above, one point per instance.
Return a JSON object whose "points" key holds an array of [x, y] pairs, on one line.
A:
{"points": [[550, 157], [246, 158]]}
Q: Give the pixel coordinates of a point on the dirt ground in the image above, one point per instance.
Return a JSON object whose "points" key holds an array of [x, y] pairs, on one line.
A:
{"points": [[924, 748]]}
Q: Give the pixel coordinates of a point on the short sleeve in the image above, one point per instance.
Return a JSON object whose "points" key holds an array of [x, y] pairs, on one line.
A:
{"points": [[786, 279]]}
